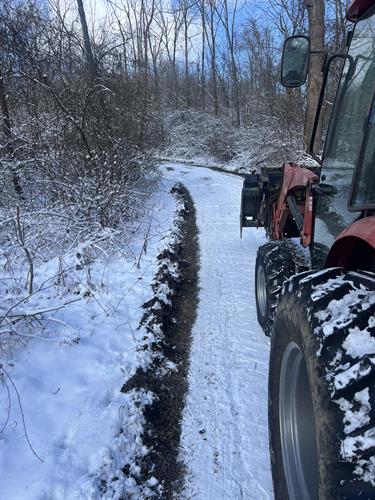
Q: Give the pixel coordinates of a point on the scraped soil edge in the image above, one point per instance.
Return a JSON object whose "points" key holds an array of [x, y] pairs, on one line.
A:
{"points": [[168, 320]]}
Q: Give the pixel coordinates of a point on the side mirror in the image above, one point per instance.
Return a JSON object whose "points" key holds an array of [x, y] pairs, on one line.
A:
{"points": [[295, 61]]}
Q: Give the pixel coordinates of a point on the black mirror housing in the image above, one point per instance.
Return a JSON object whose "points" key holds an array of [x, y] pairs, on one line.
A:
{"points": [[295, 61]]}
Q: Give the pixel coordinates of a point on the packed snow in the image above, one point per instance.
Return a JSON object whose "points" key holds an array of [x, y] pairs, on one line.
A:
{"points": [[360, 342], [351, 445], [356, 412], [339, 313], [224, 431], [349, 374]]}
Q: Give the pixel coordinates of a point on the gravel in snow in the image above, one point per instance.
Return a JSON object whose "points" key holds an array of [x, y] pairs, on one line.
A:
{"points": [[224, 430]]}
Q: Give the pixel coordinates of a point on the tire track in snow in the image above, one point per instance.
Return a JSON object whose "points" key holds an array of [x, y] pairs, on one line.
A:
{"points": [[224, 432]]}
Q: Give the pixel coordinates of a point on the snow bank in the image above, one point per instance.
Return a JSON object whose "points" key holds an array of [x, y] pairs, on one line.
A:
{"points": [[67, 429]]}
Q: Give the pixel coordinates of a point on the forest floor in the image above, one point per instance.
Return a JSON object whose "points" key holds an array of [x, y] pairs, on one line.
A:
{"points": [[94, 405]]}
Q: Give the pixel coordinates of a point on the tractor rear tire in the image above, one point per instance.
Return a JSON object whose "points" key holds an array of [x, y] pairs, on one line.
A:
{"points": [[275, 263], [322, 388]]}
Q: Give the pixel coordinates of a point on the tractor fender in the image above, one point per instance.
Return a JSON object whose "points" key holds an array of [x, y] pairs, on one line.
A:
{"points": [[354, 247]]}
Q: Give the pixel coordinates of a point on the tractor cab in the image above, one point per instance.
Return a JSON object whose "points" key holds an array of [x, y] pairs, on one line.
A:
{"points": [[318, 308], [349, 153], [333, 211]]}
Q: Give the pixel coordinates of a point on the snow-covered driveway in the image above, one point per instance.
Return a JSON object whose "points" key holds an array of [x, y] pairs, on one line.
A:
{"points": [[224, 431]]}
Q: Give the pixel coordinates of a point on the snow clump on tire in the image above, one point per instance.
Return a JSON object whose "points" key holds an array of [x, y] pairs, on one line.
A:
{"points": [[341, 310]]}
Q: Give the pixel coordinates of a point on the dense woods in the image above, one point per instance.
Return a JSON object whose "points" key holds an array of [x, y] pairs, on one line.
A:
{"points": [[92, 94], [85, 93]]}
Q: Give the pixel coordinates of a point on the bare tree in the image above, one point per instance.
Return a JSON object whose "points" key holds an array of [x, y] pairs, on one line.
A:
{"points": [[210, 27], [203, 55], [287, 16], [316, 12], [7, 130], [228, 20], [86, 39]]}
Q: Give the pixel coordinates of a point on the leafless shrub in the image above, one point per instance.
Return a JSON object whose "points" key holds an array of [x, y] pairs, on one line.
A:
{"points": [[197, 135]]}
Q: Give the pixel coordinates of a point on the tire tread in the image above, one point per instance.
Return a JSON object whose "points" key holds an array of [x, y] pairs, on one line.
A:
{"points": [[314, 293]]}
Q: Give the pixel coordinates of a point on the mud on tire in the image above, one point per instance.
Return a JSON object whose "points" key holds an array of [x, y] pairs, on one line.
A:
{"points": [[321, 388], [276, 262]]}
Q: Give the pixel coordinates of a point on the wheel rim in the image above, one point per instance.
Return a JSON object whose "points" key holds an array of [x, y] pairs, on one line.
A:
{"points": [[297, 427], [261, 291]]}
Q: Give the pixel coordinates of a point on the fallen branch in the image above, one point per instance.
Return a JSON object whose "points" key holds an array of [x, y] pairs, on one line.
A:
{"points": [[31, 314]]}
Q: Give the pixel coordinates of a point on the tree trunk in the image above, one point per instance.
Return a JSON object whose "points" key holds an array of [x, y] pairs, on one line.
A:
{"points": [[7, 129], [316, 11], [186, 55], [203, 79], [86, 40], [213, 61], [228, 22]]}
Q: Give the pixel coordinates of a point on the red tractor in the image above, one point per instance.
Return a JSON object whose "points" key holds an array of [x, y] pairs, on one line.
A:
{"points": [[316, 300]]}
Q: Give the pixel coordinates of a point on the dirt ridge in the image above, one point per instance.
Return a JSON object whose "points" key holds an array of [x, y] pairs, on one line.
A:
{"points": [[168, 322]]}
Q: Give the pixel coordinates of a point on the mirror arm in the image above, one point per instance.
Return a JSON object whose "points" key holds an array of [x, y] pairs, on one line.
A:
{"points": [[326, 65]]}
